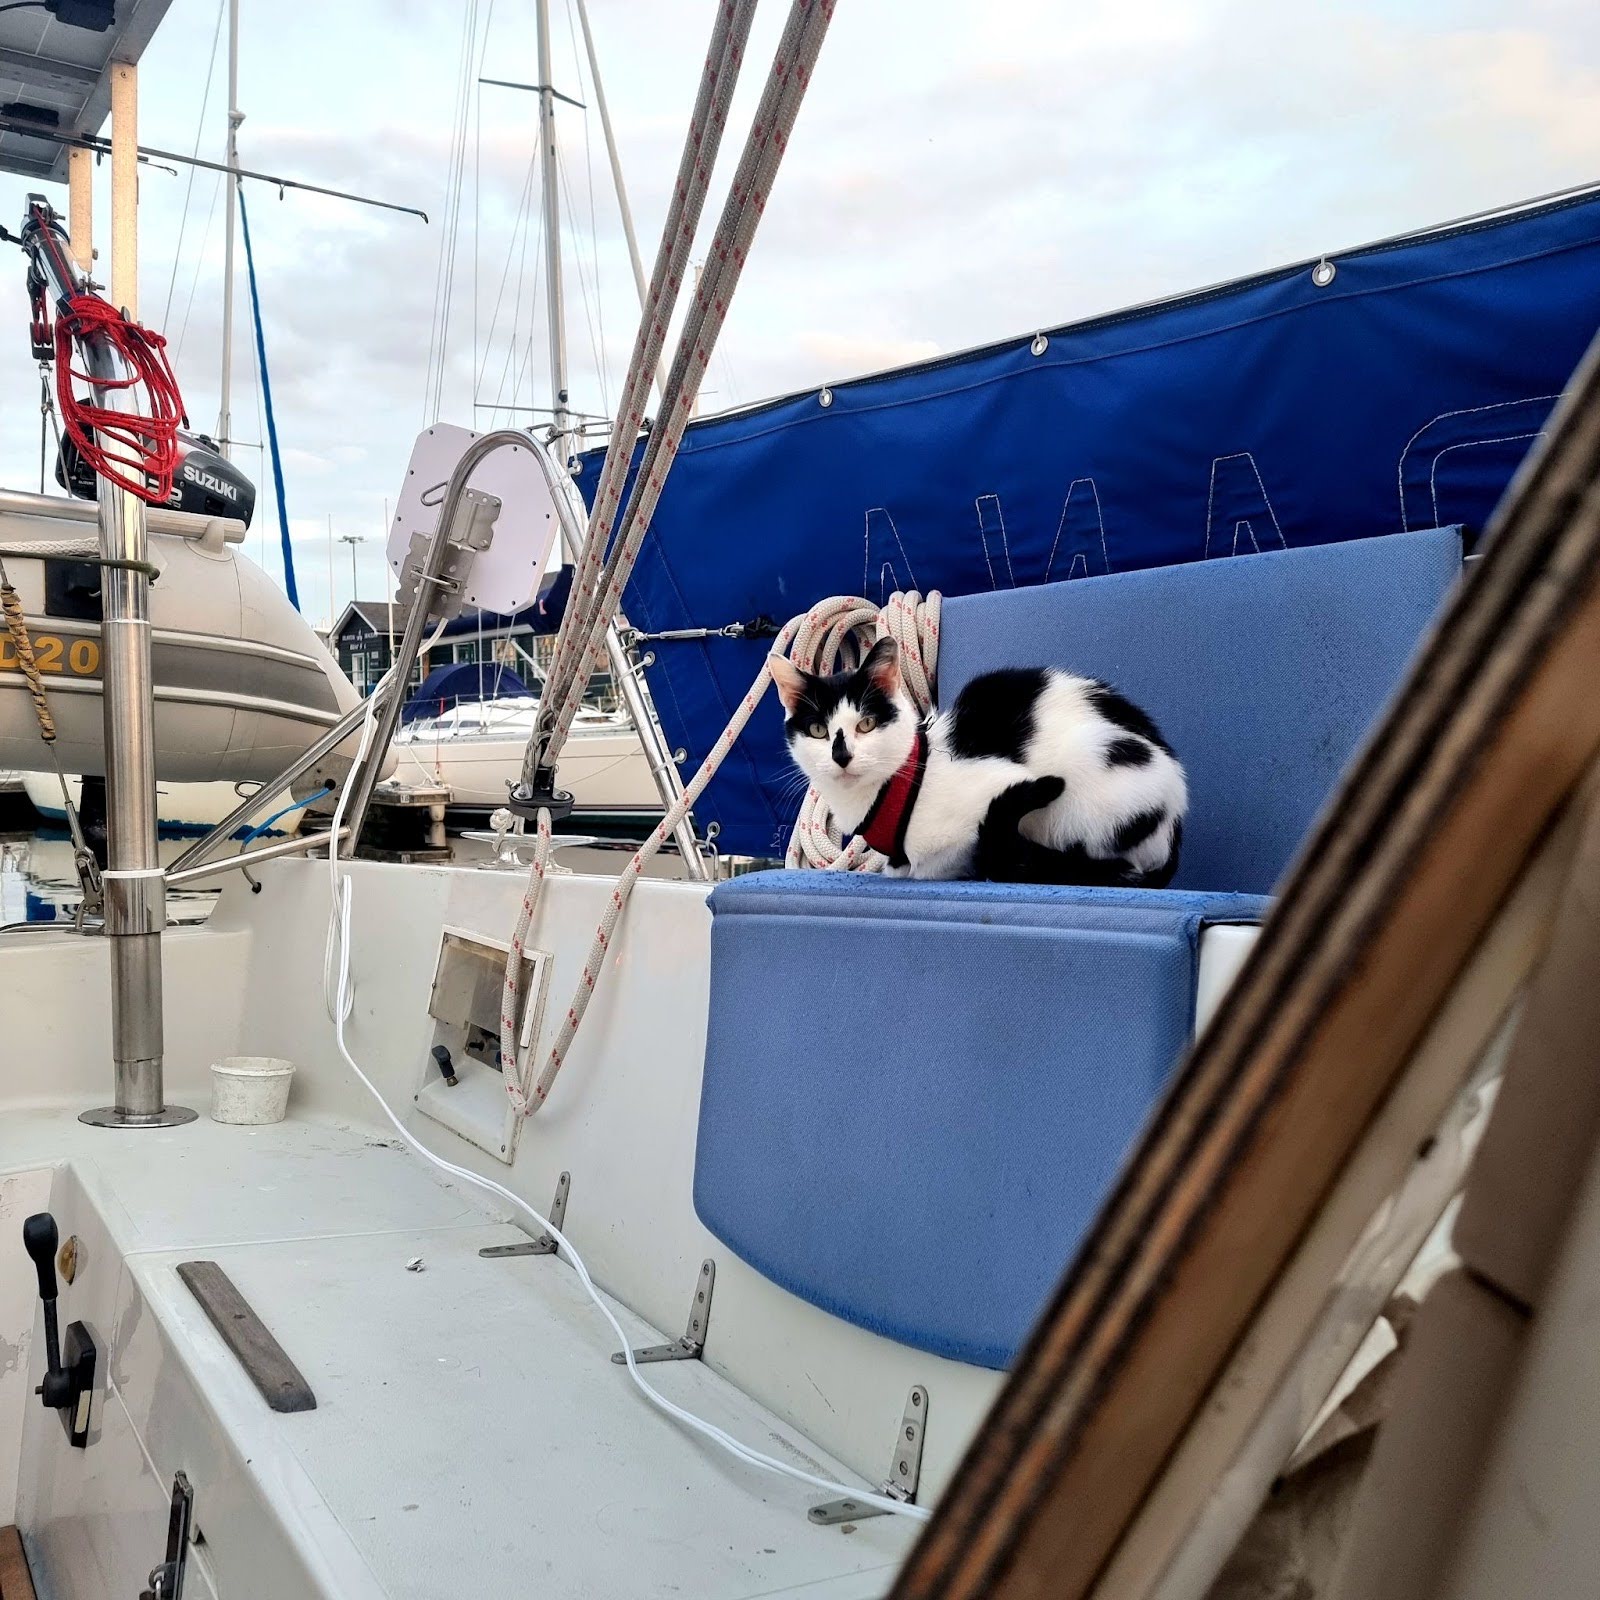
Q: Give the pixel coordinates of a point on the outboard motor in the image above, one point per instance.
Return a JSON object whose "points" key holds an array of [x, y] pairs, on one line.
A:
{"points": [[205, 482]]}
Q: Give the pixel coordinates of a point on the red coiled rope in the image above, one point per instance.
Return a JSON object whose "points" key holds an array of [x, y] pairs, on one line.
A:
{"points": [[137, 452]]}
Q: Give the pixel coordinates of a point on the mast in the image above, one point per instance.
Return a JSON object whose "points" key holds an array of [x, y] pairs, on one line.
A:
{"points": [[550, 178], [235, 117]]}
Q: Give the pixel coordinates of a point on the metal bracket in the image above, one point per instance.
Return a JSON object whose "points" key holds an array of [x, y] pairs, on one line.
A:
{"points": [[528, 800], [166, 1581], [904, 1470], [544, 1245], [473, 531], [689, 1347], [92, 900]]}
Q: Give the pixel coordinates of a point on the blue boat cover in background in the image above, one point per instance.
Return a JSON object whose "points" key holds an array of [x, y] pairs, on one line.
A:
{"points": [[458, 682], [1264, 414]]}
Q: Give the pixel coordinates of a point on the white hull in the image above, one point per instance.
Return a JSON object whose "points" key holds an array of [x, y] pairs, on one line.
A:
{"points": [[603, 763], [180, 807]]}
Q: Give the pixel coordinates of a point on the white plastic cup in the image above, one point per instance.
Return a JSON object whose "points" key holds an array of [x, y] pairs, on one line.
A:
{"points": [[250, 1089]]}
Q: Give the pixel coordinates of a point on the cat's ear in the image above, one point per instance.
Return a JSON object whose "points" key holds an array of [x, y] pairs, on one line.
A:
{"points": [[790, 680], [882, 666]]}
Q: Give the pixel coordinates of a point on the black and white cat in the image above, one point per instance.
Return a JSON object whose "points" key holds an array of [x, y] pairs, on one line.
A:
{"points": [[1033, 775]]}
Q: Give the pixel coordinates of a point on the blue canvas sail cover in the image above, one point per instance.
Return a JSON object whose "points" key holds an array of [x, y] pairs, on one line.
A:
{"points": [[462, 682], [1297, 407]]}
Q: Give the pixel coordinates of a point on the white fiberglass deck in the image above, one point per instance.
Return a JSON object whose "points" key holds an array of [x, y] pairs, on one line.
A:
{"points": [[472, 1435]]}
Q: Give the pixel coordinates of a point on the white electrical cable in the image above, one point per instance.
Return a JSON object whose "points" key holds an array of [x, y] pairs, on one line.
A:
{"points": [[368, 726], [340, 1005]]}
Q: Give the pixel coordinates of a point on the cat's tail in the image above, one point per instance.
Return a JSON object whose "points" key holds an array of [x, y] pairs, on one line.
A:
{"points": [[1000, 851]]}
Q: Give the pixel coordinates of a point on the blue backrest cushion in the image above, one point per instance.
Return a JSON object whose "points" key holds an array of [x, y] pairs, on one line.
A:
{"points": [[1263, 671]]}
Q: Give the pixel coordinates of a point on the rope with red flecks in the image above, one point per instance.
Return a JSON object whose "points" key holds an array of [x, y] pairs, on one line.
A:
{"points": [[816, 642], [136, 448], [707, 123], [597, 589], [599, 599]]}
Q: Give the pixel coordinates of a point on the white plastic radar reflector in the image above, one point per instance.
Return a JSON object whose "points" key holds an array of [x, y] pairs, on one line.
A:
{"points": [[507, 575]]}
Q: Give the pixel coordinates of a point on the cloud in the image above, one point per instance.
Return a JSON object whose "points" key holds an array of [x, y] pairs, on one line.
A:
{"points": [[985, 172]]}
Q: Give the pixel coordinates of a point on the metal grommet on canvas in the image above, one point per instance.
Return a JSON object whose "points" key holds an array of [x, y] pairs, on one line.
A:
{"points": [[1040, 344], [825, 397], [1324, 273]]}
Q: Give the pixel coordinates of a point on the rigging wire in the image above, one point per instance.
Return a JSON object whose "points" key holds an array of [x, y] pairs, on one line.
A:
{"points": [[444, 233], [505, 273], [188, 191], [460, 196], [517, 360], [583, 285], [524, 358], [261, 434], [477, 187], [523, 225], [194, 282]]}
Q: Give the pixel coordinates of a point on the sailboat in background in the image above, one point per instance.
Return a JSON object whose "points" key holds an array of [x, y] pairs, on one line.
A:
{"points": [[474, 746]]}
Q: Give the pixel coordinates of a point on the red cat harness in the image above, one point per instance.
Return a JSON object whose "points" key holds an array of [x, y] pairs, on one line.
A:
{"points": [[884, 826]]}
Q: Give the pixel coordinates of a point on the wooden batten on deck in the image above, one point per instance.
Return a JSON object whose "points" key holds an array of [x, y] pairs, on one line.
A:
{"points": [[1391, 896], [16, 1583]]}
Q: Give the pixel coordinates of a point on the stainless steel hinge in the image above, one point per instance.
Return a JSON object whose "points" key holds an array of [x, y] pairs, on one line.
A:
{"points": [[687, 1348], [545, 1244], [904, 1470]]}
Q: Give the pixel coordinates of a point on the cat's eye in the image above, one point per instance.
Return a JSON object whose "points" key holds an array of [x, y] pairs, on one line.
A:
{"points": [[818, 730], [866, 724]]}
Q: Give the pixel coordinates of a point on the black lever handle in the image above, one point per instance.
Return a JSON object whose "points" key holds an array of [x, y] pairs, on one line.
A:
{"points": [[40, 1238]]}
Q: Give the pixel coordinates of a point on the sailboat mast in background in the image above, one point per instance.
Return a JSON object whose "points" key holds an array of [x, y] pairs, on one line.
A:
{"points": [[549, 176]]}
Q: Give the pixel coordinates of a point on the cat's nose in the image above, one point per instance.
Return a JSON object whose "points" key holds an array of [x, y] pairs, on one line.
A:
{"points": [[840, 753]]}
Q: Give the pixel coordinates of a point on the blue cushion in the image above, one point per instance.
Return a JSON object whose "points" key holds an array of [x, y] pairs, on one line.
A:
{"points": [[916, 1094], [1264, 671]]}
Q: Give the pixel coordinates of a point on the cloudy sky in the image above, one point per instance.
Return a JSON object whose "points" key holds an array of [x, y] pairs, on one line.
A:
{"points": [[961, 172]]}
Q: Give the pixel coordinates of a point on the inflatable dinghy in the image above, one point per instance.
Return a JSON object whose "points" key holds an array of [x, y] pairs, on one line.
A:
{"points": [[242, 683]]}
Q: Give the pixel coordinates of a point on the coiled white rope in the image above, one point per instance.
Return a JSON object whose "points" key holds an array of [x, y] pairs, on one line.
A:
{"points": [[913, 623], [815, 641]]}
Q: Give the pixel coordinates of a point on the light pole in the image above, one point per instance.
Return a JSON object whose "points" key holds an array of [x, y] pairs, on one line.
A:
{"points": [[352, 539]]}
